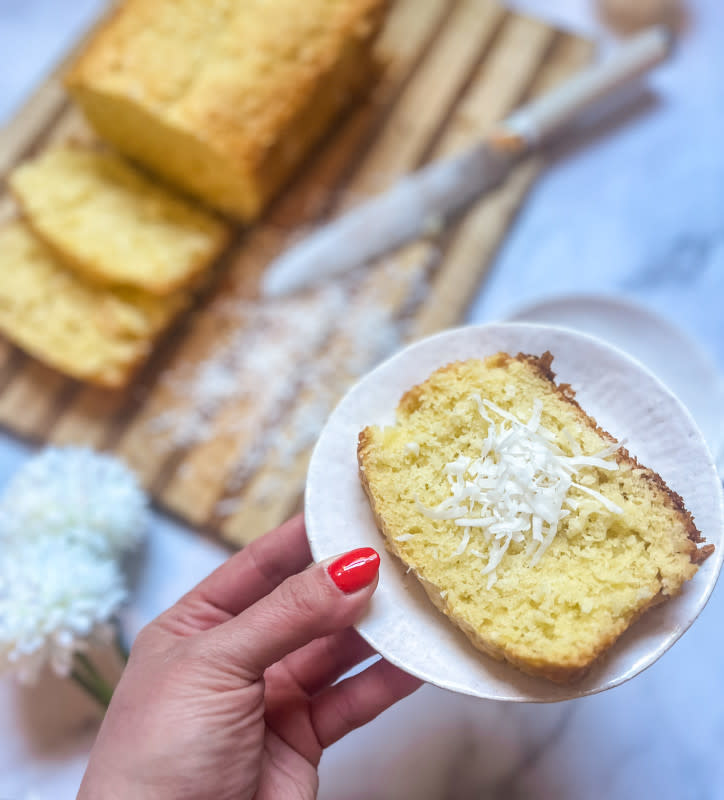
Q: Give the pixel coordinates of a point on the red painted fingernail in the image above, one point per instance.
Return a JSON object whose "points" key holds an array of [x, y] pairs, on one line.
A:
{"points": [[355, 570]]}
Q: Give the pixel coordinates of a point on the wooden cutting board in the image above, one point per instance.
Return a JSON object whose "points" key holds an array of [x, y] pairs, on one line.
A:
{"points": [[220, 423]]}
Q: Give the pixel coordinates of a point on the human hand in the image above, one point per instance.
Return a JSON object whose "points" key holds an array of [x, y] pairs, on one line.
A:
{"points": [[229, 693]]}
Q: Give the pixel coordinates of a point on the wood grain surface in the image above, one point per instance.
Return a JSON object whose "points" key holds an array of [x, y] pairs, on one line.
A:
{"points": [[220, 423]]}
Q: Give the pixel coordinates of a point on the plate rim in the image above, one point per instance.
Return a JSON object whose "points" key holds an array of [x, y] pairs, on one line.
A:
{"points": [[629, 306]]}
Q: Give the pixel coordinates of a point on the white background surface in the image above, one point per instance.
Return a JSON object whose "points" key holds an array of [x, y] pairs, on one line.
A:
{"points": [[637, 210]]}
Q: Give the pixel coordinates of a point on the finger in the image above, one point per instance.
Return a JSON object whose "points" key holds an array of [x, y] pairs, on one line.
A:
{"points": [[325, 599], [357, 700], [322, 661], [242, 580]]}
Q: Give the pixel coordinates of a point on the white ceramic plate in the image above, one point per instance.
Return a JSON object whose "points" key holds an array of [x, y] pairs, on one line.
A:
{"points": [[668, 352], [621, 394]]}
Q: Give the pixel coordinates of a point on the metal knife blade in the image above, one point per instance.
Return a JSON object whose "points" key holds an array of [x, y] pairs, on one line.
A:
{"points": [[411, 208]]}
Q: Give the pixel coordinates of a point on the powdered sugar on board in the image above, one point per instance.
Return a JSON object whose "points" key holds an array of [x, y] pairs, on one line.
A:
{"points": [[622, 396]]}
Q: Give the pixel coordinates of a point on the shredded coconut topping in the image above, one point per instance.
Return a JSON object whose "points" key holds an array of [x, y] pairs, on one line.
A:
{"points": [[517, 489]]}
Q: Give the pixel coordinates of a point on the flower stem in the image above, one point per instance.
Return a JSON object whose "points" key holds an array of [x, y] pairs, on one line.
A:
{"points": [[86, 675], [121, 647], [91, 689]]}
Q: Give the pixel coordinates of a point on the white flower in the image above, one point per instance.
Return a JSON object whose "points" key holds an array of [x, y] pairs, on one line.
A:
{"points": [[77, 494], [56, 596]]}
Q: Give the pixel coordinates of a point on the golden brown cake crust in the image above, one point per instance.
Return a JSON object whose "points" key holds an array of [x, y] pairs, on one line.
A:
{"points": [[576, 665], [223, 99]]}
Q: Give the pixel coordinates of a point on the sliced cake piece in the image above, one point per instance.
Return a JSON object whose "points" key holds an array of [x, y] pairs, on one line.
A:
{"points": [[89, 332], [527, 524], [110, 222]]}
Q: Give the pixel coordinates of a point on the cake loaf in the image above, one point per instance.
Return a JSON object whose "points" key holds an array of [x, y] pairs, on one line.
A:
{"points": [[111, 223], [223, 98], [93, 333], [528, 526]]}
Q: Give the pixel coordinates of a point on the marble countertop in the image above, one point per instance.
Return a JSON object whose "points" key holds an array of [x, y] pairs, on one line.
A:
{"points": [[635, 210]]}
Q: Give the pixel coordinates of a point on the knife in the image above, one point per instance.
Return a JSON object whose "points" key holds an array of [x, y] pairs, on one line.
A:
{"points": [[427, 199]]}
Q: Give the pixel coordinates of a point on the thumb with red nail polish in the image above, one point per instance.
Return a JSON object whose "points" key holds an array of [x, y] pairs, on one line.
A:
{"points": [[325, 599]]}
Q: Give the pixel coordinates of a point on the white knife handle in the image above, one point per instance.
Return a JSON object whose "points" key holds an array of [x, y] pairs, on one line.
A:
{"points": [[542, 118]]}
